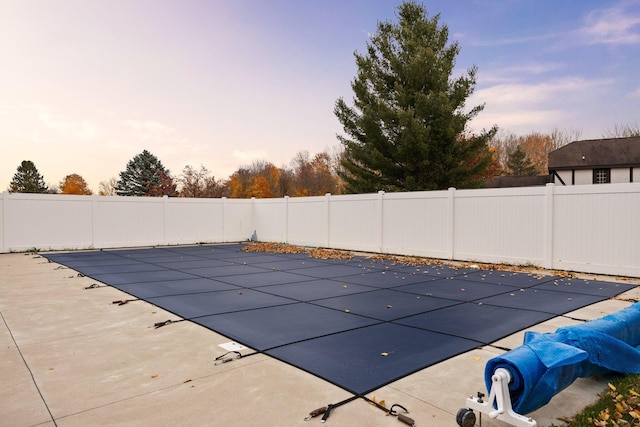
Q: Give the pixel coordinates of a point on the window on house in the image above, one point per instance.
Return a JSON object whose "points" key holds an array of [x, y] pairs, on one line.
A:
{"points": [[601, 176]]}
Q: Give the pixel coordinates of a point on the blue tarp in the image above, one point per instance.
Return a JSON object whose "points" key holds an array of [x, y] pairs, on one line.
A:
{"points": [[548, 363]]}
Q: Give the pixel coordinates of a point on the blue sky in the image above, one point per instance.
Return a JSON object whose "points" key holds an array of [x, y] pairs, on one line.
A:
{"points": [[87, 85]]}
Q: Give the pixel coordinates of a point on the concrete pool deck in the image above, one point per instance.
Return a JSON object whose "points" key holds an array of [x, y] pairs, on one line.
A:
{"points": [[70, 357]]}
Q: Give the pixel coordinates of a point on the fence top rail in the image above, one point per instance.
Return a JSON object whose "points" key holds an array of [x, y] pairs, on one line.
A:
{"points": [[626, 187]]}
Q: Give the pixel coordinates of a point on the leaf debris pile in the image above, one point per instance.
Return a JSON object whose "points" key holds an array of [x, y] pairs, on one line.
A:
{"points": [[324, 253], [281, 248], [624, 412]]}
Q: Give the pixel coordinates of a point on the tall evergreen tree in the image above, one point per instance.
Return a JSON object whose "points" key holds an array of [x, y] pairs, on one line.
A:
{"points": [[27, 179], [145, 175], [519, 164], [407, 129]]}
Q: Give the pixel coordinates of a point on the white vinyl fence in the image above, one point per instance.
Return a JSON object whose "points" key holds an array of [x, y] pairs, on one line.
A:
{"points": [[587, 228]]}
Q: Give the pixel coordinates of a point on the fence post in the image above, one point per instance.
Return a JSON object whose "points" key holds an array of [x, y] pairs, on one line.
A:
{"points": [[286, 219], [224, 226], [3, 223], [380, 221], [548, 226], [94, 204], [328, 213], [252, 229], [451, 222], [165, 202]]}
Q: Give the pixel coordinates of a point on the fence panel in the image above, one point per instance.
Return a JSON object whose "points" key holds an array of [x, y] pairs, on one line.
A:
{"points": [[270, 219], [46, 221], [308, 221], [416, 224], [189, 221], [238, 220], [597, 229], [500, 225], [354, 222], [128, 221]]}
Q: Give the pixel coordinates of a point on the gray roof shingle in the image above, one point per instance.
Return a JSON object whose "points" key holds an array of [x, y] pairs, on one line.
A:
{"points": [[599, 153]]}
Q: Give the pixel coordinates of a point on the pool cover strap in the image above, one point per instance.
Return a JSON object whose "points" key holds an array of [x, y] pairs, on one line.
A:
{"points": [[124, 301], [166, 322]]}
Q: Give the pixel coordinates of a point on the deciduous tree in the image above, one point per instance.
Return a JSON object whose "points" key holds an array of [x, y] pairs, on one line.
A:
{"points": [[537, 146], [622, 131], [74, 184], [403, 132], [259, 188], [314, 177], [198, 183], [27, 179], [165, 186], [260, 179], [238, 183], [108, 187]]}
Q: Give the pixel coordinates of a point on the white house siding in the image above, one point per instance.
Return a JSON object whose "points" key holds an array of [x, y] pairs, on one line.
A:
{"points": [[619, 175], [583, 177], [565, 176]]}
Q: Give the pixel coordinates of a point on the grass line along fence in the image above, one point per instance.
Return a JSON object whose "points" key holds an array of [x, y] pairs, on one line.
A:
{"points": [[586, 228]]}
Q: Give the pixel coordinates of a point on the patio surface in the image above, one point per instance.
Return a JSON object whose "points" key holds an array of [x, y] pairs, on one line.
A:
{"points": [[72, 357]]}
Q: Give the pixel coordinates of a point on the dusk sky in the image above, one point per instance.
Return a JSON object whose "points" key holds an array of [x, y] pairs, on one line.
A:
{"points": [[85, 85]]}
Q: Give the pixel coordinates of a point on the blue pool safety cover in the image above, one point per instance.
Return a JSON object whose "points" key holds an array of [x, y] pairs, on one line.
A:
{"points": [[548, 363], [359, 323]]}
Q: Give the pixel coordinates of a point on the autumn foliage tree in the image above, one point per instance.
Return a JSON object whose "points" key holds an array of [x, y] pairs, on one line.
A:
{"points": [[306, 176], [163, 187], [536, 147], [261, 179], [198, 183], [314, 176], [533, 148], [74, 184]]}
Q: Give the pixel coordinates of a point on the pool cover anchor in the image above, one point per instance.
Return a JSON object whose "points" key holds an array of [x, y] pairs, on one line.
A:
{"points": [[315, 413], [222, 359], [502, 410], [401, 417], [325, 411]]}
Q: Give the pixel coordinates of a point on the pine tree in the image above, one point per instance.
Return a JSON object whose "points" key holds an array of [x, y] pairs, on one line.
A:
{"points": [[27, 179], [407, 129], [145, 175], [519, 164]]}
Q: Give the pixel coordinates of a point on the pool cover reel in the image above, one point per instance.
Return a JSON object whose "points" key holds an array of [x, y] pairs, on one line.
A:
{"points": [[547, 363]]}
